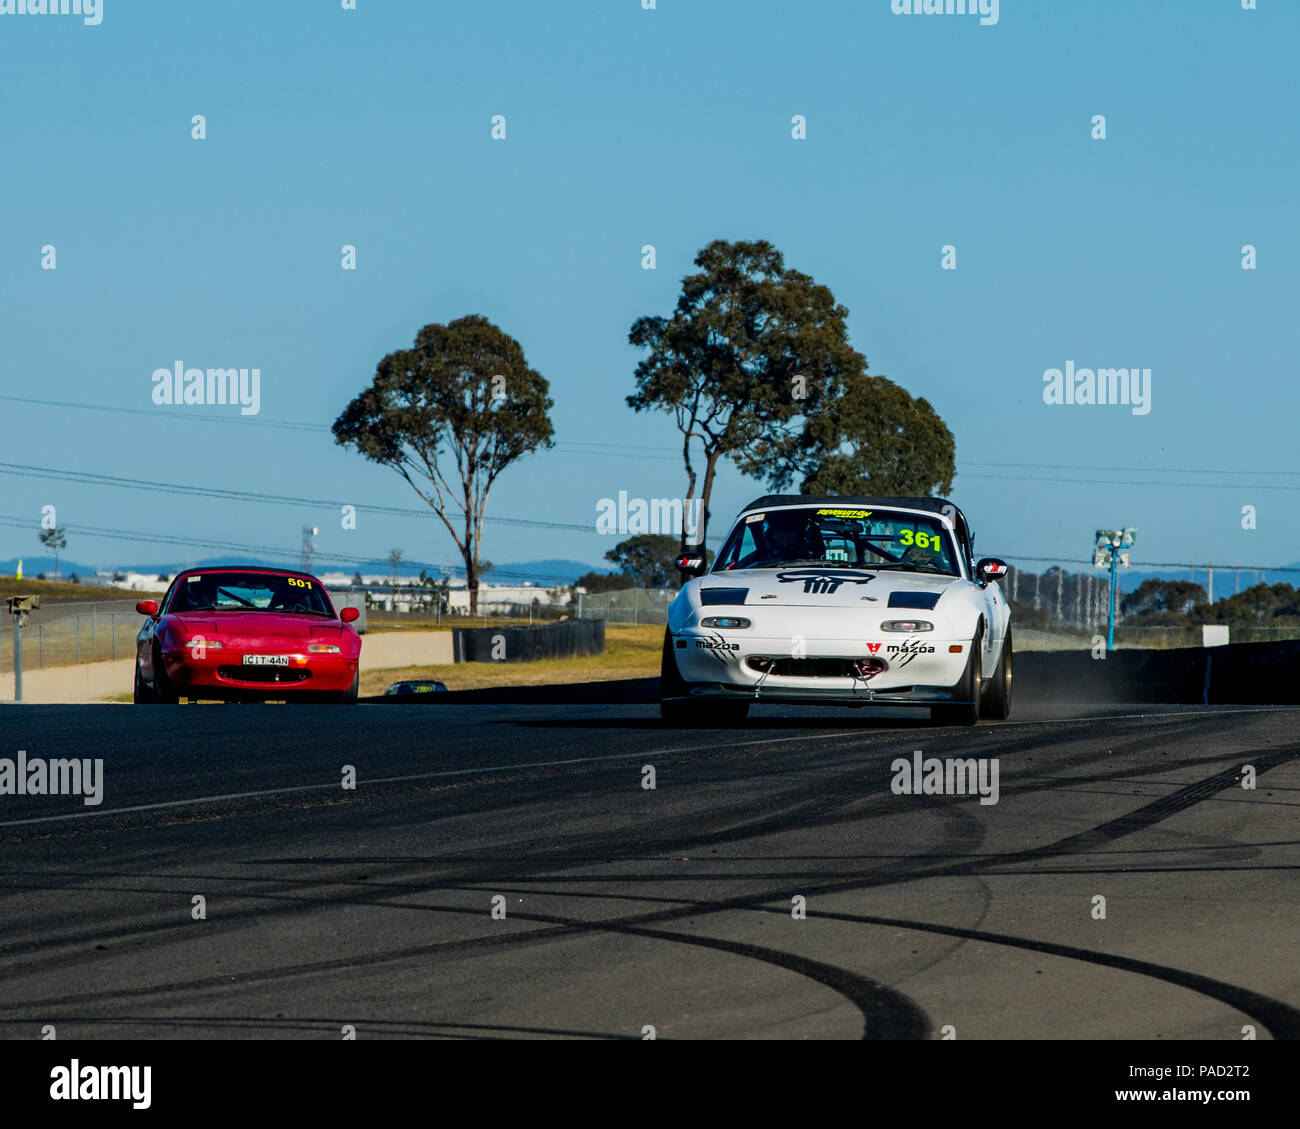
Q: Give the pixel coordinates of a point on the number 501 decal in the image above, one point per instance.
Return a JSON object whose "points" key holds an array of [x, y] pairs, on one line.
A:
{"points": [[296, 583]]}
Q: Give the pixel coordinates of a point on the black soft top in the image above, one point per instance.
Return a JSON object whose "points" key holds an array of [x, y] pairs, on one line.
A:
{"points": [[930, 505]]}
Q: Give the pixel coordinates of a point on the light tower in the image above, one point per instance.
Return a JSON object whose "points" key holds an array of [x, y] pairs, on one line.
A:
{"points": [[1112, 549], [308, 546]]}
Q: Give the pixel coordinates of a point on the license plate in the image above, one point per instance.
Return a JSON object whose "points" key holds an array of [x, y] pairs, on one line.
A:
{"points": [[266, 660]]}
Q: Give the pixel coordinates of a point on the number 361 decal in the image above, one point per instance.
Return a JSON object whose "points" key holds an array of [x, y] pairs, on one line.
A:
{"points": [[921, 540]]}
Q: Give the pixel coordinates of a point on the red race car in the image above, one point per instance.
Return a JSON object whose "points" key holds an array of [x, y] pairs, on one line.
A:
{"points": [[246, 634]]}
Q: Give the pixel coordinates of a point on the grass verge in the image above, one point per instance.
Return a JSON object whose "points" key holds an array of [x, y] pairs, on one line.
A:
{"points": [[630, 652]]}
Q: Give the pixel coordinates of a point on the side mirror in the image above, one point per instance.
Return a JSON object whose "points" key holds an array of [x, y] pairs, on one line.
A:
{"points": [[347, 615], [692, 564], [147, 607], [990, 568]]}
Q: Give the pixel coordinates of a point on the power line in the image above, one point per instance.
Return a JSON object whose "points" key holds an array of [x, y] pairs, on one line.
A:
{"points": [[613, 450], [258, 550], [1131, 485], [1145, 565], [91, 478], [621, 449], [1135, 469]]}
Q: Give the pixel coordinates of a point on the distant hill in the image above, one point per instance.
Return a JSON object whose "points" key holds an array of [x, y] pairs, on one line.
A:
{"points": [[33, 565], [546, 573]]}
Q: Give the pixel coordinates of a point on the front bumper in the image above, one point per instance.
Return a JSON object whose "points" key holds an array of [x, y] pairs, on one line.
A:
{"points": [[736, 665], [223, 670]]}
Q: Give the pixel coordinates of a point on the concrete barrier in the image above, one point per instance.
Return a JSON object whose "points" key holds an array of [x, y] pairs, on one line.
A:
{"points": [[1238, 674]]}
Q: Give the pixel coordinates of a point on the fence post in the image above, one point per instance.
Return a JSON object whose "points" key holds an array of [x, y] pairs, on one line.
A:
{"points": [[636, 606]]}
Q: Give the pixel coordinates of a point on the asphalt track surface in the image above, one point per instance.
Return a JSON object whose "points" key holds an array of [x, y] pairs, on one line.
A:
{"points": [[671, 908]]}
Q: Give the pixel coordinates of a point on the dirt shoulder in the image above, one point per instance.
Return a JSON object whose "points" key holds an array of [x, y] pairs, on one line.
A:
{"points": [[630, 652]]}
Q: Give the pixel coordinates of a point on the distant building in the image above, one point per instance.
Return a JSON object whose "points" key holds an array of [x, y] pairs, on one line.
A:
{"points": [[407, 594], [132, 581]]}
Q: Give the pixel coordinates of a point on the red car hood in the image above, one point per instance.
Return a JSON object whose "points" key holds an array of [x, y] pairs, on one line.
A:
{"points": [[258, 625]]}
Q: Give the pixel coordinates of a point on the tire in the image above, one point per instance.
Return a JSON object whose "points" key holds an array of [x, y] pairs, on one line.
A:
{"points": [[142, 695], [997, 696], [691, 713], [164, 693], [349, 696], [966, 712]]}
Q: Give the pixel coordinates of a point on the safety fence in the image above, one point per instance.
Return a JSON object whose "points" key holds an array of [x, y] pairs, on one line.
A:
{"points": [[57, 634], [628, 605]]}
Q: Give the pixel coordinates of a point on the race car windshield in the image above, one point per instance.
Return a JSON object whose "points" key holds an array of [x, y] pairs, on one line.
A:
{"points": [[250, 592], [840, 538]]}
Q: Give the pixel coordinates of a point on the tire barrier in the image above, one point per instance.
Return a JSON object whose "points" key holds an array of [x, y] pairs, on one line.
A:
{"points": [[564, 640]]}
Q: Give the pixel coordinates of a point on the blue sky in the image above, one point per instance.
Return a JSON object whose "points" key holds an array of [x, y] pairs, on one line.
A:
{"points": [[671, 127]]}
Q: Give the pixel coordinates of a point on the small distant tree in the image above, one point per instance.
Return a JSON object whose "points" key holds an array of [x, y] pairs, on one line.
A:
{"points": [[1162, 597], [55, 540], [74, 579], [449, 415], [118, 577], [604, 581], [162, 576], [357, 582], [649, 559], [439, 587], [394, 559]]}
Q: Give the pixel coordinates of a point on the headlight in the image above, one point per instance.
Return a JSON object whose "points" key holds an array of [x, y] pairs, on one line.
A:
{"points": [[732, 621], [907, 625], [323, 648]]}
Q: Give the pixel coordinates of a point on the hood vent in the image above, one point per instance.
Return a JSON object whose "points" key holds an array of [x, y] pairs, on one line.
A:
{"points": [[712, 597], [922, 600]]}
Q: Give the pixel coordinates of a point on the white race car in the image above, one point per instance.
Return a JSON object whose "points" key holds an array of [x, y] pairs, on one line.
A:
{"points": [[839, 601]]}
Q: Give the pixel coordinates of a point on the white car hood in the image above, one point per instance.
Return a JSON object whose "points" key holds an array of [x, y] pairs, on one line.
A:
{"points": [[816, 586]]}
